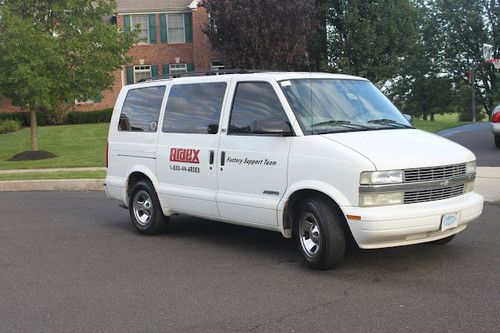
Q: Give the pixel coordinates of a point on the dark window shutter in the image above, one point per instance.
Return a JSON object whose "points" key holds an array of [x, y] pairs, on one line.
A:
{"points": [[163, 28], [152, 28], [126, 22], [166, 70], [188, 25], [130, 75], [154, 71], [98, 97], [190, 67]]}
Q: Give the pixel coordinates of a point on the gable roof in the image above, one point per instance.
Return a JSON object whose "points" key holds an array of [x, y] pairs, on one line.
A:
{"points": [[134, 6]]}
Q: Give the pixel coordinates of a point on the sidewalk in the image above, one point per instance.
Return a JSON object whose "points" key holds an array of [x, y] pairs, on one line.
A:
{"points": [[49, 170], [487, 182]]}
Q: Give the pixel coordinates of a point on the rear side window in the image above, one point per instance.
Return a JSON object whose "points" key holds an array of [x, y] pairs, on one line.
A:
{"points": [[255, 104], [194, 108], [141, 109]]}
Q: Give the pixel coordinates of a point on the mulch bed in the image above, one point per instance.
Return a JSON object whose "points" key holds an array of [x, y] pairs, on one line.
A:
{"points": [[32, 156]]}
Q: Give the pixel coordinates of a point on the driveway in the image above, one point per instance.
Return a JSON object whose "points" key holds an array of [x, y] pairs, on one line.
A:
{"points": [[72, 262], [478, 138]]}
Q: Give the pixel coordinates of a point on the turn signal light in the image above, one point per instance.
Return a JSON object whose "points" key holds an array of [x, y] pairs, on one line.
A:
{"points": [[496, 118]]}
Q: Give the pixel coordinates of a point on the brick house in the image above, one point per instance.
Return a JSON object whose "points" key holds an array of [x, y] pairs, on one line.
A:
{"points": [[172, 41]]}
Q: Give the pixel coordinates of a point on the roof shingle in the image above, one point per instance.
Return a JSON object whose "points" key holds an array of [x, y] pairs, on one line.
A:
{"points": [[133, 6]]}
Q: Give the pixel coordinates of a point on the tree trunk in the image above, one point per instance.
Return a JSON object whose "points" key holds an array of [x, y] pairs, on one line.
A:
{"points": [[34, 131], [432, 116]]}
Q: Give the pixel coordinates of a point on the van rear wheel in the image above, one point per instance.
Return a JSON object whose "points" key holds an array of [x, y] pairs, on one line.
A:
{"points": [[145, 210], [319, 234]]}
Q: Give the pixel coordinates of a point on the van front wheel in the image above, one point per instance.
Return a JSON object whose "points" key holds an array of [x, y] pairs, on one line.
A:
{"points": [[145, 210], [319, 234]]}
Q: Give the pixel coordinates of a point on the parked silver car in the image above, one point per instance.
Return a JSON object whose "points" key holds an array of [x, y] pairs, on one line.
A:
{"points": [[495, 124]]}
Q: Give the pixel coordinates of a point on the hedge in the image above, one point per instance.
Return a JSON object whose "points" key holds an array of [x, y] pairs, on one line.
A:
{"points": [[9, 126], [82, 117]]}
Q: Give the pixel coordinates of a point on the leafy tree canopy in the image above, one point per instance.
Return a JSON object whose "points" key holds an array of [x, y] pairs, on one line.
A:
{"points": [[263, 34], [56, 51]]}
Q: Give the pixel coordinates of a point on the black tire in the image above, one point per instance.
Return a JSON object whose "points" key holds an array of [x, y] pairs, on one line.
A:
{"points": [[151, 221], [497, 140], [443, 241], [330, 242]]}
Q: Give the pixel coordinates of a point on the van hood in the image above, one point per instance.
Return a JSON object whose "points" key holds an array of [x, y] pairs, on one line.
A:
{"points": [[391, 149]]}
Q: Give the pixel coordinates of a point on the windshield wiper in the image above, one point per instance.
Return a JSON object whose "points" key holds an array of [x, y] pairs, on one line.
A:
{"points": [[342, 123], [388, 122]]}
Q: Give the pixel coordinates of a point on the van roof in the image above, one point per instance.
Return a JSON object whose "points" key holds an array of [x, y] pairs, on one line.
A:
{"points": [[278, 76]]}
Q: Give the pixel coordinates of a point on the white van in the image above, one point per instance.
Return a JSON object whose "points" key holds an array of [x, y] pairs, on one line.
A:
{"points": [[323, 158]]}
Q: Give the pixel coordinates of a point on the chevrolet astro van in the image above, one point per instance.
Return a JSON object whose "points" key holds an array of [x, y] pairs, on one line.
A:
{"points": [[324, 159]]}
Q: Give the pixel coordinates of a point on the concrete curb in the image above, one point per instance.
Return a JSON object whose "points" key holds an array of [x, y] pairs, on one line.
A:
{"points": [[52, 185], [17, 171], [487, 184]]}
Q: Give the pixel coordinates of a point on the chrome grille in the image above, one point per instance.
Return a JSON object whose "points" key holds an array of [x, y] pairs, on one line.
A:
{"points": [[424, 195], [434, 173]]}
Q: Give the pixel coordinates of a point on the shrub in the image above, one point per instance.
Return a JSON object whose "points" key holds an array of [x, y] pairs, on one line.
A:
{"points": [[58, 115], [90, 117], [9, 126], [70, 118]]}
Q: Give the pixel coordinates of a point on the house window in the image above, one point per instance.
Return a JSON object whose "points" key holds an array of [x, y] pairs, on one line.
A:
{"points": [[142, 72], [177, 69], [216, 65], [175, 24], [142, 22]]}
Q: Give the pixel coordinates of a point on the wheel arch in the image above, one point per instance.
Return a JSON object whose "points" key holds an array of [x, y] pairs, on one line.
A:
{"points": [[137, 174], [291, 199]]}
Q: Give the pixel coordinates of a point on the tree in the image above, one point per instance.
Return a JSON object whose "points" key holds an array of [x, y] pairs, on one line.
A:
{"points": [[371, 38], [424, 88], [58, 51], [467, 25], [263, 34]]}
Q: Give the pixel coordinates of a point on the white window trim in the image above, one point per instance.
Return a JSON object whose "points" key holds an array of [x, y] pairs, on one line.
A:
{"points": [[132, 25], [176, 71], [141, 71], [183, 25], [217, 67]]}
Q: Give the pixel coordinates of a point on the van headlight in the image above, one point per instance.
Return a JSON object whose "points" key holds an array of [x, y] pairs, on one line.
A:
{"points": [[381, 177], [470, 167], [381, 199]]}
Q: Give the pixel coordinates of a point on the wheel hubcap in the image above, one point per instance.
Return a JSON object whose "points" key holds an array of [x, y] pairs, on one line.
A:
{"points": [[143, 207], [310, 235]]}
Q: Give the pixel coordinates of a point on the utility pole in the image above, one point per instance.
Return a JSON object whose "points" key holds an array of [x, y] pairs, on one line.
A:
{"points": [[473, 102]]}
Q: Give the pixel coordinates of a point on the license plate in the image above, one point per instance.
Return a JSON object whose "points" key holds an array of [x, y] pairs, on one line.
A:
{"points": [[449, 221]]}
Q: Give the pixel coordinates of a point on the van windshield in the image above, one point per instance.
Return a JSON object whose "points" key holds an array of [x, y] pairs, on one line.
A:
{"points": [[333, 105]]}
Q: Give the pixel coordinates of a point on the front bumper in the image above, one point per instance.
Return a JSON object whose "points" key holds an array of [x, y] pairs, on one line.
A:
{"points": [[390, 226]]}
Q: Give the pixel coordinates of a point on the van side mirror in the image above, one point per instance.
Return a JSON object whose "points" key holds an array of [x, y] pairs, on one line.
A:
{"points": [[272, 126], [409, 118]]}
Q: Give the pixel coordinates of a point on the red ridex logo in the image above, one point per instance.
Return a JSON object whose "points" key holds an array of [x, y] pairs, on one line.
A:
{"points": [[184, 155]]}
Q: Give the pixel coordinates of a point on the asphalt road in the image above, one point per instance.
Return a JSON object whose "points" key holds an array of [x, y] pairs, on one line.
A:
{"points": [[72, 262], [478, 138]]}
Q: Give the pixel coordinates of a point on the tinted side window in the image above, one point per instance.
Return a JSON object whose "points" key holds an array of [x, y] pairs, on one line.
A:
{"points": [[194, 108], [255, 104], [141, 109]]}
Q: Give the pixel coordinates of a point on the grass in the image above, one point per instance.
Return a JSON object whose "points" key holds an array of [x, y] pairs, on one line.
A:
{"points": [[54, 175], [74, 145], [440, 123]]}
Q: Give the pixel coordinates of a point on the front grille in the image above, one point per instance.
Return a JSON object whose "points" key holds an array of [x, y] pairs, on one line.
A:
{"points": [[434, 173], [424, 195]]}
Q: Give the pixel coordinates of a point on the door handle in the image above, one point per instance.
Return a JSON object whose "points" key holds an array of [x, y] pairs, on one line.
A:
{"points": [[222, 158], [212, 155]]}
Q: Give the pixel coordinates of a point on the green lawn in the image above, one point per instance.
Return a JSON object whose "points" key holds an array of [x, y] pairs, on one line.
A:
{"points": [[54, 175], [85, 145], [74, 145], [440, 123]]}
